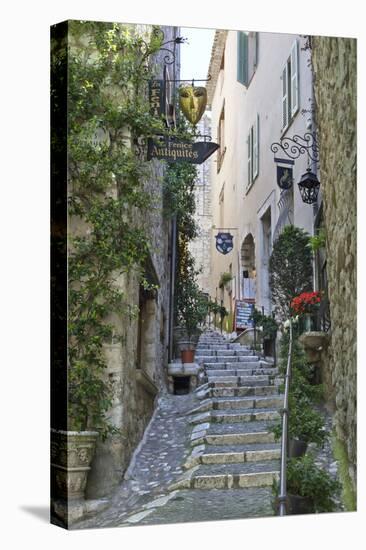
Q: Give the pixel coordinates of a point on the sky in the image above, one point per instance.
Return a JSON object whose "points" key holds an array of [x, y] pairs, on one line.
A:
{"points": [[196, 53]]}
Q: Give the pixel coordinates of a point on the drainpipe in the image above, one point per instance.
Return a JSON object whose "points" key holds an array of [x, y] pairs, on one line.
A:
{"points": [[173, 262], [314, 167]]}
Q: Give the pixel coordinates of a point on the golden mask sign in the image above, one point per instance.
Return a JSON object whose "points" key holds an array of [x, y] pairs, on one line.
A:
{"points": [[193, 101]]}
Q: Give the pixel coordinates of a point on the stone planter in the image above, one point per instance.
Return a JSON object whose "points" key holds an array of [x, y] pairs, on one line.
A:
{"points": [[71, 456], [314, 342]]}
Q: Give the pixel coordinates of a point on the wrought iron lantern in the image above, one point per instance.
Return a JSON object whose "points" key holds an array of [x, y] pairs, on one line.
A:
{"points": [[309, 187]]}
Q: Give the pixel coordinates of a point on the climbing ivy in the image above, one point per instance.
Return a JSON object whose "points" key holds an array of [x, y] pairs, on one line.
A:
{"points": [[108, 112]]}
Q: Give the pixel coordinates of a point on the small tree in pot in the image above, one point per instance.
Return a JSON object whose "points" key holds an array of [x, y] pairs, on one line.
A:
{"points": [[310, 489], [191, 307]]}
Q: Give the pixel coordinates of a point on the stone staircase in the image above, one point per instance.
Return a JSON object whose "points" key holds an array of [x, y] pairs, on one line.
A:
{"points": [[232, 447]]}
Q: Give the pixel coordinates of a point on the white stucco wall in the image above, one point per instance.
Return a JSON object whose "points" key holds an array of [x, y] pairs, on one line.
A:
{"points": [[243, 209]]}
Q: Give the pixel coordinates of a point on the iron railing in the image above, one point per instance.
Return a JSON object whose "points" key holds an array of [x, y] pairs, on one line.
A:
{"points": [[282, 498]]}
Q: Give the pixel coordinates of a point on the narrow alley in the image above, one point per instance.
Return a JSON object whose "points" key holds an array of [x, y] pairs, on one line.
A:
{"points": [[204, 365], [207, 455]]}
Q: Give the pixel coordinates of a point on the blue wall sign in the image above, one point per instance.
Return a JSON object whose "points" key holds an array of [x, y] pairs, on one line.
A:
{"points": [[224, 243]]}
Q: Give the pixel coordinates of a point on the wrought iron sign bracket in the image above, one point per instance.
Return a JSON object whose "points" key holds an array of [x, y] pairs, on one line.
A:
{"points": [[293, 148], [298, 145]]}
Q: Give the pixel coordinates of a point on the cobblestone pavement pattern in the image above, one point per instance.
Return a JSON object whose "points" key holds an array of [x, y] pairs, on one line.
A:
{"points": [[208, 455]]}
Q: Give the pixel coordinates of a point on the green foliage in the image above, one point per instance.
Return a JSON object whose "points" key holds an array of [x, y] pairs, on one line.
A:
{"points": [[190, 302], [108, 111], [290, 268], [306, 479], [317, 241], [348, 492], [304, 423], [179, 199], [267, 323], [225, 278]]}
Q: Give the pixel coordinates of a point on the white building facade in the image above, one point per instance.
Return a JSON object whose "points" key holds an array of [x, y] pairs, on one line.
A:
{"points": [[260, 92]]}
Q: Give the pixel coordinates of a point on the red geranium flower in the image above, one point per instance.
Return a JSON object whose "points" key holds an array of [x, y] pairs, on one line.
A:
{"points": [[304, 302]]}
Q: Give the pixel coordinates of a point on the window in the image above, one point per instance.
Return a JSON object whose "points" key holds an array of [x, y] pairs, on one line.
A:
{"points": [[247, 56], [253, 153], [290, 87], [221, 139]]}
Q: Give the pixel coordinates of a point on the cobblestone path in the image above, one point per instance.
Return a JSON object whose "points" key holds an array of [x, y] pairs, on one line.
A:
{"points": [[208, 455]]}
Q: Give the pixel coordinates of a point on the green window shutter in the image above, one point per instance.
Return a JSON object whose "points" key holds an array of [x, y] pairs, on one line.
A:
{"points": [[242, 72], [250, 148], [284, 98], [294, 78], [256, 53], [256, 148]]}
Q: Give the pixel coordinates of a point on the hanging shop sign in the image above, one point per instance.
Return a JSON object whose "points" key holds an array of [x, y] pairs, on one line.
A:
{"points": [[193, 101], [175, 150], [284, 177], [157, 97], [224, 243], [284, 173]]}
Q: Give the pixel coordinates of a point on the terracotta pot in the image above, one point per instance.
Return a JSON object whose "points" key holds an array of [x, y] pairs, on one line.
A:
{"points": [[71, 456], [187, 355]]}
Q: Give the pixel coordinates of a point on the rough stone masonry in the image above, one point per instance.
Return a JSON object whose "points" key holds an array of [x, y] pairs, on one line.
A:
{"points": [[334, 61]]}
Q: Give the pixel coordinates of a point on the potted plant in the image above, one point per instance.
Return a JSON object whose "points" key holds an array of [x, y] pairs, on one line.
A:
{"points": [[191, 310], [310, 489], [305, 425], [306, 306], [90, 396], [225, 279]]}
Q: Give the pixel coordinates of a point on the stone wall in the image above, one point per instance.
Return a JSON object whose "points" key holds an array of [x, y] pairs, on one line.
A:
{"points": [[334, 62], [138, 363]]}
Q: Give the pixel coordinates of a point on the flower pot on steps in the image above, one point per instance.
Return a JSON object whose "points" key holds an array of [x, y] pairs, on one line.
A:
{"points": [[187, 355], [296, 448], [297, 504]]}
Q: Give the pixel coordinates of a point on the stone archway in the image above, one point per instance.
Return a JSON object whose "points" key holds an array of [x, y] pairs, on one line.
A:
{"points": [[248, 272]]}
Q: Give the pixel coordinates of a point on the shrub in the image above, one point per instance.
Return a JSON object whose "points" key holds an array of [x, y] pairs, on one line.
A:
{"points": [[290, 268]]}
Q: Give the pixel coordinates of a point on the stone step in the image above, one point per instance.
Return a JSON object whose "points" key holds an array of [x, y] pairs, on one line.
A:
{"points": [[234, 476], [225, 381], [239, 428], [248, 402], [241, 391], [246, 438], [250, 415], [229, 366], [223, 353], [248, 371], [227, 359], [240, 454]]}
